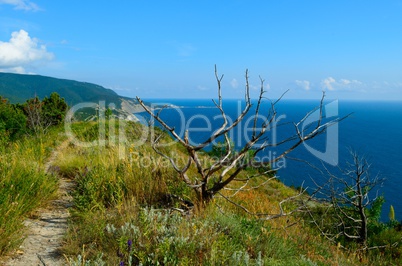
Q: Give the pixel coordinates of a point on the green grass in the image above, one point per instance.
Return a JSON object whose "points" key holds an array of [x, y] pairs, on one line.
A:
{"points": [[121, 212], [24, 186], [168, 238], [117, 200]]}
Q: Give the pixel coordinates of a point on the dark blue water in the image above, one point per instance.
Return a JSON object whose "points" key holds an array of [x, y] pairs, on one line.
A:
{"points": [[373, 129]]}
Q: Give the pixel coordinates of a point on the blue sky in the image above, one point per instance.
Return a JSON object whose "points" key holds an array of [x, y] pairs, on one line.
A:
{"points": [[352, 49]]}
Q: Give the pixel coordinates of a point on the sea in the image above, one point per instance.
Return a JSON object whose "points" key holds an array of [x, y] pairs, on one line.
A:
{"points": [[372, 129]]}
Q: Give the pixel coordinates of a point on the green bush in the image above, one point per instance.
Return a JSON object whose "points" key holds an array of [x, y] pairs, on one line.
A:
{"points": [[12, 121], [54, 108], [388, 243]]}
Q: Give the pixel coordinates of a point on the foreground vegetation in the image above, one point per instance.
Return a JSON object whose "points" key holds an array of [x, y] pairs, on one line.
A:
{"points": [[24, 185], [131, 208], [123, 214]]}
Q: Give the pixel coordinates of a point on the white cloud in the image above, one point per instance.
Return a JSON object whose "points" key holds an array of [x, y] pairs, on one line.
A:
{"points": [[328, 83], [345, 81], [332, 84], [305, 84], [22, 51], [350, 82], [21, 4], [19, 70], [234, 83]]}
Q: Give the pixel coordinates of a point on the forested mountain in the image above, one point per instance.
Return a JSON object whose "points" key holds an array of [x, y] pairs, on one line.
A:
{"points": [[18, 88]]}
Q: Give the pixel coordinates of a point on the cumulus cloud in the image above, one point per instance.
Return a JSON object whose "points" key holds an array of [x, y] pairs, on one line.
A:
{"points": [[328, 83], [332, 84], [22, 51], [21, 4], [305, 84]]}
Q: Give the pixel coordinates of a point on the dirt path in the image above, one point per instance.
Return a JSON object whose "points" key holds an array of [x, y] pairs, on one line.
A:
{"points": [[45, 233]]}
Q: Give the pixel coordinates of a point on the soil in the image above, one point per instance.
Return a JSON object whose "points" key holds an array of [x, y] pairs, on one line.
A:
{"points": [[46, 230]]}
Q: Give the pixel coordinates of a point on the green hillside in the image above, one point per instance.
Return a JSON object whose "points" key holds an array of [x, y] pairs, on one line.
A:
{"points": [[18, 88]]}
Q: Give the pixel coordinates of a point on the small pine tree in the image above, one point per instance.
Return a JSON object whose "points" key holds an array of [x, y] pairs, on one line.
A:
{"points": [[391, 214]]}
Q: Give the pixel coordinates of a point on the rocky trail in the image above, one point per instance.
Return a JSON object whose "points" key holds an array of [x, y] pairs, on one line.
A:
{"points": [[45, 231]]}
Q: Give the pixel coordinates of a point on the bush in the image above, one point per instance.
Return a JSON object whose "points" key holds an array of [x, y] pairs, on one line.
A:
{"points": [[12, 121], [54, 108], [43, 114], [388, 242]]}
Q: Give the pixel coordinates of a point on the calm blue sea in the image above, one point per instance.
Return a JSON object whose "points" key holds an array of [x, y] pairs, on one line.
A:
{"points": [[374, 129]]}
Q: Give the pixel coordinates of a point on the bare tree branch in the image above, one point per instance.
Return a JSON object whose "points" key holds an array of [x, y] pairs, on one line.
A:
{"points": [[229, 167], [347, 201]]}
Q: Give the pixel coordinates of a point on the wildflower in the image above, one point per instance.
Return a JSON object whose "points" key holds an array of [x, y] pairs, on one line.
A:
{"points": [[129, 244]]}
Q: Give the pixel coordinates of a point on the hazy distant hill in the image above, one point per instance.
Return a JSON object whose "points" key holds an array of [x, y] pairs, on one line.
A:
{"points": [[19, 88]]}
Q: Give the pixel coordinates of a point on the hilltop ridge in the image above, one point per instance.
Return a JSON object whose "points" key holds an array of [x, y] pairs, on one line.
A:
{"points": [[20, 87]]}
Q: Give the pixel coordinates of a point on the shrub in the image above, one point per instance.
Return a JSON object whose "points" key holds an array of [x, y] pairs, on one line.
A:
{"points": [[12, 121], [54, 108]]}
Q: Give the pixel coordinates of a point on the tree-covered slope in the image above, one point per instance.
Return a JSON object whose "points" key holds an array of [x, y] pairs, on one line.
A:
{"points": [[19, 88]]}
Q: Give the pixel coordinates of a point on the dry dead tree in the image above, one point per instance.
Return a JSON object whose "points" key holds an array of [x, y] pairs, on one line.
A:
{"points": [[212, 179], [347, 200]]}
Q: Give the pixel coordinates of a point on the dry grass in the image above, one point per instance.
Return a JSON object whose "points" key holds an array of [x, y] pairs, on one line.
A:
{"points": [[125, 187], [24, 185], [116, 190]]}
